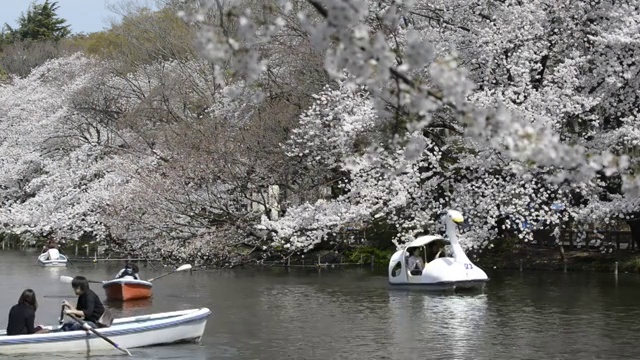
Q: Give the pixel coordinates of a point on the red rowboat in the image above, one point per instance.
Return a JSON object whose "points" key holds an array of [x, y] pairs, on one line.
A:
{"points": [[127, 289]]}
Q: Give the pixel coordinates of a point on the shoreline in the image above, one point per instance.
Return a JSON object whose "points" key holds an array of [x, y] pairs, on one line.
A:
{"points": [[530, 259], [551, 260]]}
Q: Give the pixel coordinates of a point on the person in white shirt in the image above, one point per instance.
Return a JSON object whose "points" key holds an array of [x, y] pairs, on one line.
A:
{"points": [[52, 250], [415, 263]]}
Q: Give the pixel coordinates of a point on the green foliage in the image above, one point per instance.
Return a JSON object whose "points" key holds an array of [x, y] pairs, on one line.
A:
{"points": [[36, 40], [5, 37], [20, 57], [630, 265], [144, 37], [364, 253], [39, 23], [3, 75], [103, 44]]}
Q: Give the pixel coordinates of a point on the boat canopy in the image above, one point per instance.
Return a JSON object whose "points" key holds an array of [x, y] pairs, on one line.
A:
{"points": [[426, 239]]}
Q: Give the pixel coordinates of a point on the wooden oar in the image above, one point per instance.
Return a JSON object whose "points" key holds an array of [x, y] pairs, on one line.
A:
{"points": [[69, 279], [65, 256], [87, 327], [61, 319], [181, 268]]}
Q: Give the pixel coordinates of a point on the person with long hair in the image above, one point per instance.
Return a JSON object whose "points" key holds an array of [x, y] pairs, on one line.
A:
{"points": [[22, 316]]}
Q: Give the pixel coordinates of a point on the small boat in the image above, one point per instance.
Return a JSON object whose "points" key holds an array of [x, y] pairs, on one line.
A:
{"points": [[52, 258], [438, 273], [130, 332], [127, 288]]}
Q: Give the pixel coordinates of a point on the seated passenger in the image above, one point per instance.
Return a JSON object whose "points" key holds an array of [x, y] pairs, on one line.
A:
{"points": [[415, 264], [435, 251], [22, 315], [130, 271]]}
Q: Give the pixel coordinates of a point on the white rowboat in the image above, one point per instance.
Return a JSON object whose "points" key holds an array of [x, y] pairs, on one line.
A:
{"points": [[130, 332], [59, 261]]}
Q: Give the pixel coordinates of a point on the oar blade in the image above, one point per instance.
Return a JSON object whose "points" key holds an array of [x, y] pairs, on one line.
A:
{"points": [[105, 338], [181, 268], [69, 279]]}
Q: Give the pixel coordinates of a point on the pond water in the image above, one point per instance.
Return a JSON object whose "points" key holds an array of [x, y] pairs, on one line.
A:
{"points": [[354, 314]]}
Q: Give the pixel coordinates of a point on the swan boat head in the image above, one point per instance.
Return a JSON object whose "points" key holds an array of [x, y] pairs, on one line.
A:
{"points": [[454, 216]]}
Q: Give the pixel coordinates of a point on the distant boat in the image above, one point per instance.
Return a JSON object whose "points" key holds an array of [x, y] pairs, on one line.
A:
{"points": [[456, 272], [130, 332], [52, 258], [129, 288], [125, 289]]}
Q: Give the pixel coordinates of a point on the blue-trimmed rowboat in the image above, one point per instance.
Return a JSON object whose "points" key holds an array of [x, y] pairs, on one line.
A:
{"points": [[58, 261], [130, 332]]}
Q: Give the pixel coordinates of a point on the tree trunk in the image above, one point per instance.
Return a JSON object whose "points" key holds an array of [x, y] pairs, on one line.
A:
{"points": [[634, 225], [562, 255]]}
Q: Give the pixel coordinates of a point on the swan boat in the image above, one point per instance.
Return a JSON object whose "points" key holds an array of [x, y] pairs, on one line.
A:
{"points": [[129, 332], [439, 272], [127, 288], [52, 258]]}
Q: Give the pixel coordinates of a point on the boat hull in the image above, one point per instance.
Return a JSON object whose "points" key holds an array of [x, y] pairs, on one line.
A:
{"points": [[130, 333], [127, 289], [443, 286], [60, 262], [439, 274]]}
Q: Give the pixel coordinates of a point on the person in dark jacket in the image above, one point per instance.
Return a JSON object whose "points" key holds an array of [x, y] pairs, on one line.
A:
{"points": [[89, 307], [23, 315], [130, 271]]}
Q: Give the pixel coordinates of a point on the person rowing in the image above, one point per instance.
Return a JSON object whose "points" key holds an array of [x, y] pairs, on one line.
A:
{"points": [[51, 248], [89, 308], [130, 271]]}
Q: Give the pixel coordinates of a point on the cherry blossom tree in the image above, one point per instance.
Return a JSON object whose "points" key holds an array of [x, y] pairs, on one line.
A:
{"points": [[51, 183], [504, 110], [535, 105]]}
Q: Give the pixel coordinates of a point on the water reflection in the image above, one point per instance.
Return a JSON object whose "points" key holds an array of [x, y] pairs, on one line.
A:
{"points": [[334, 318], [129, 308], [442, 324], [54, 272], [354, 315]]}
